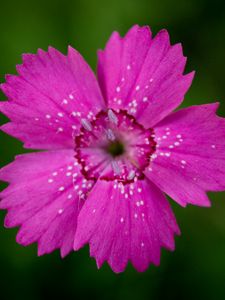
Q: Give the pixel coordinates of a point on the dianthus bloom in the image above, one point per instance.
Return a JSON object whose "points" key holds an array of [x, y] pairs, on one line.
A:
{"points": [[112, 148]]}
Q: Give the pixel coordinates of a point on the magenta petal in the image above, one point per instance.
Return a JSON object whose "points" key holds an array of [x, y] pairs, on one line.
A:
{"points": [[42, 200], [49, 97], [123, 223], [143, 75], [114, 61], [190, 157]]}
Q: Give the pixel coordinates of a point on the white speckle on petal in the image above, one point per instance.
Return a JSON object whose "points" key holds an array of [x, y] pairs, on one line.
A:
{"points": [[65, 101], [145, 99], [60, 129]]}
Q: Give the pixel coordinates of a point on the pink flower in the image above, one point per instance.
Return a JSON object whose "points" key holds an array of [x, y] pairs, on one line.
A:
{"points": [[112, 148]]}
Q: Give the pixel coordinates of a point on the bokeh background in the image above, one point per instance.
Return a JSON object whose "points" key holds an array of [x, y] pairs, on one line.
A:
{"points": [[196, 270]]}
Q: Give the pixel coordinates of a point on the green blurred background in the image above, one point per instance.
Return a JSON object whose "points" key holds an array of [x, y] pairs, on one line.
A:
{"points": [[196, 270]]}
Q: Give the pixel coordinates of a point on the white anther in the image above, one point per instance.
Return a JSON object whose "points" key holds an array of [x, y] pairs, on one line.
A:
{"points": [[131, 175], [112, 117], [86, 124], [110, 135], [116, 167]]}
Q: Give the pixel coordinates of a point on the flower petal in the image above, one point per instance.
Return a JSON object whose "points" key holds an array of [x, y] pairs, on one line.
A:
{"points": [[124, 223], [49, 98], [190, 157], [143, 75], [43, 198]]}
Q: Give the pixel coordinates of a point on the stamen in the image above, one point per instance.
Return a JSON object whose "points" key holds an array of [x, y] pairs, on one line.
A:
{"points": [[86, 124], [131, 175], [116, 167], [112, 117], [110, 135]]}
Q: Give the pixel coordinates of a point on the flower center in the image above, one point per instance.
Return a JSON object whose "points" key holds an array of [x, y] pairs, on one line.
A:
{"points": [[114, 146]]}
